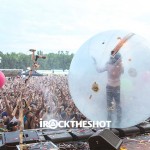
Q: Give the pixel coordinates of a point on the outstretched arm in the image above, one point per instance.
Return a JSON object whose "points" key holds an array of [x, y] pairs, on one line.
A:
{"points": [[97, 68], [7, 106]]}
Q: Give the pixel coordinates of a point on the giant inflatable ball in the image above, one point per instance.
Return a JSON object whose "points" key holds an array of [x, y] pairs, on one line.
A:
{"points": [[109, 78], [2, 79]]}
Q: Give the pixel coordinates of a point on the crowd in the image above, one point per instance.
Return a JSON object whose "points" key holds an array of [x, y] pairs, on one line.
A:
{"points": [[45, 97]]}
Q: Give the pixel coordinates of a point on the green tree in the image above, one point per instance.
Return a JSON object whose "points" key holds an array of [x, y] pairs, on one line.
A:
{"points": [[60, 60]]}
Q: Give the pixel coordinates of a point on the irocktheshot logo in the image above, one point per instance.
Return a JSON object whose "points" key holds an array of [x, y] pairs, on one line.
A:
{"points": [[53, 124]]}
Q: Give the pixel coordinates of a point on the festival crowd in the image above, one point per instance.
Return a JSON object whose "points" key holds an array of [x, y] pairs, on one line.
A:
{"points": [[45, 97]]}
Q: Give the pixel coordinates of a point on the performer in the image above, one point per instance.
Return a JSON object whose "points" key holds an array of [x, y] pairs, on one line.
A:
{"points": [[35, 64], [35, 58], [114, 70]]}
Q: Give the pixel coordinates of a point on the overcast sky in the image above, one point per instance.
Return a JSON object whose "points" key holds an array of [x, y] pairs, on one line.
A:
{"points": [[52, 25]]}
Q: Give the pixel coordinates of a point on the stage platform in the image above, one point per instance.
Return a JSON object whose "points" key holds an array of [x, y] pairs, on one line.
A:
{"points": [[62, 138]]}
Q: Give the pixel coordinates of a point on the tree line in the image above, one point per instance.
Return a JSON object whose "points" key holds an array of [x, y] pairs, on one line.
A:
{"points": [[60, 60]]}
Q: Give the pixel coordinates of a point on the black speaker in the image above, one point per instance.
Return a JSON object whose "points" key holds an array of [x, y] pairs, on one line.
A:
{"points": [[3, 147], [144, 128], [104, 140], [131, 131], [11, 139], [81, 134], [57, 136], [31, 136]]}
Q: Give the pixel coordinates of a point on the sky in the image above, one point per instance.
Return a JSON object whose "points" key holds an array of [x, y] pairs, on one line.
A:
{"points": [[53, 25]]}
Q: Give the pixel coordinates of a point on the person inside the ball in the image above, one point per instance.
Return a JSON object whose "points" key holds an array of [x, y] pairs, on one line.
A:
{"points": [[114, 70]]}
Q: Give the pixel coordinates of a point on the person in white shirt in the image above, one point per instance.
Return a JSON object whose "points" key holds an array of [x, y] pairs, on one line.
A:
{"points": [[114, 70]]}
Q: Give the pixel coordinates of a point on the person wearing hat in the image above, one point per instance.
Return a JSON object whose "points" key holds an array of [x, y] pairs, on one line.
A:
{"points": [[114, 70]]}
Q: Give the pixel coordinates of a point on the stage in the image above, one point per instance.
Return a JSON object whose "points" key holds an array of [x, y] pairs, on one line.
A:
{"points": [[132, 138]]}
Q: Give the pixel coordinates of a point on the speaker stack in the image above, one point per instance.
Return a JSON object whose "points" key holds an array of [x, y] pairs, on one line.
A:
{"points": [[104, 140], [11, 139]]}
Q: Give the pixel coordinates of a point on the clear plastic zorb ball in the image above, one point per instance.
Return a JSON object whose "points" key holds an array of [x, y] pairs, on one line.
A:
{"points": [[109, 78]]}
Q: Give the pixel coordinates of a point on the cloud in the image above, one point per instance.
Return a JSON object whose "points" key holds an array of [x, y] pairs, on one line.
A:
{"points": [[48, 24]]}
